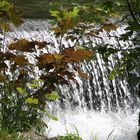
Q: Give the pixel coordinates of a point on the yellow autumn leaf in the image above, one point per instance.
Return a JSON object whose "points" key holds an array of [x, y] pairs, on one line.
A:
{"points": [[58, 56]]}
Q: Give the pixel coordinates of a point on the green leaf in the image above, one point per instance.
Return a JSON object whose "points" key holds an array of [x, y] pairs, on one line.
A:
{"points": [[112, 75], [34, 85], [21, 91], [32, 101], [51, 116], [52, 96], [38, 80], [55, 14], [80, 47], [5, 6], [73, 13]]}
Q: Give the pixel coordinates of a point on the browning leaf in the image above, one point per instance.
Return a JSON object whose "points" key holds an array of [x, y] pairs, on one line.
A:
{"points": [[24, 45], [109, 26], [9, 55], [82, 74], [20, 60], [72, 55], [46, 58], [56, 30], [42, 44]]}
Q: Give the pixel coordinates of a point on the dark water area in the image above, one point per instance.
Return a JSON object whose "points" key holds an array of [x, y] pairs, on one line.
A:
{"points": [[40, 8]]}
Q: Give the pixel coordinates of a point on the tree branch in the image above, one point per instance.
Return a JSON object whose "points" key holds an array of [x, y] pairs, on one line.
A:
{"points": [[131, 13]]}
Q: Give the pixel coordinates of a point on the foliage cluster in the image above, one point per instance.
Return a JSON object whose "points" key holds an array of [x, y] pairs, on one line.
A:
{"points": [[111, 15]]}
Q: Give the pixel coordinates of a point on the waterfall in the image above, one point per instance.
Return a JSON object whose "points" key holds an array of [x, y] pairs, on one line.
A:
{"points": [[97, 106]]}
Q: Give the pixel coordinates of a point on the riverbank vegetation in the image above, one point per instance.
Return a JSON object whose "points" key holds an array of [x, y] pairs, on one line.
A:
{"points": [[24, 94]]}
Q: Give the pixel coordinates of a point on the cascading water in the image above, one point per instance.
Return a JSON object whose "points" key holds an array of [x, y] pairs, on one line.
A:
{"points": [[95, 107]]}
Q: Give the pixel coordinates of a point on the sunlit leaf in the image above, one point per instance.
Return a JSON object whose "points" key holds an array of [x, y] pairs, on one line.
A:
{"points": [[34, 85], [73, 13], [4, 5], [112, 75], [52, 96], [55, 14], [51, 116], [32, 101], [58, 56], [80, 47], [21, 91]]}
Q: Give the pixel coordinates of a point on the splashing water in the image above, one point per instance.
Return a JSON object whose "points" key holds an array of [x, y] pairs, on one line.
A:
{"points": [[95, 107], [90, 124]]}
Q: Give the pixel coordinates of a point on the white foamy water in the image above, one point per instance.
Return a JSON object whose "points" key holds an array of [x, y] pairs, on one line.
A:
{"points": [[92, 124]]}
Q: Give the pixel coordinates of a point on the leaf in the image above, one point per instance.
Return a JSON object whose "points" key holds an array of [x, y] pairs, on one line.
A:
{"points": [[32, 101], [112, 75], [51, 116], [66, 20], [8, 11], [52, 96], [2, 78], [73, 13], [20, 60], [58, 56], [14, 17], [46, 58], [80, 47], [34, 85], [82, 74], [56, 30], [4, 26], [5, 6], [21, 91], [109, 26], [55, 14], [38, 81], [72, 55], [24, 45], [42, 44]]}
